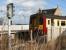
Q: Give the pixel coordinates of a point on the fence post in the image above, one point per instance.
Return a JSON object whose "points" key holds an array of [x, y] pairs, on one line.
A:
{"points": [[31, 39]]}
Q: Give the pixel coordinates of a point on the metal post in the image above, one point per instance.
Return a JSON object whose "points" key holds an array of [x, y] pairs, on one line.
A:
{"points": [[31, 36], [51, 32], [9, 15], [31, 39], [9, 33]]}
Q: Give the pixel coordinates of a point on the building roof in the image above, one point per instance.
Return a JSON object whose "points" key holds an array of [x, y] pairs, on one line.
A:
{"points": [[49, 11], [46, 12], [56, 17], [33, 16], [49, 16]]}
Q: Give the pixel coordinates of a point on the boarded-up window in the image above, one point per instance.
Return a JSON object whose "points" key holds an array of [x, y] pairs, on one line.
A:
{"points": [[62, 23], [48, 22], [58, 23], [52, 22]]}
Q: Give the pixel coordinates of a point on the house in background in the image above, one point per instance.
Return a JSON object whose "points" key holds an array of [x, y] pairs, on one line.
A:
{"points": [[53, 18]]}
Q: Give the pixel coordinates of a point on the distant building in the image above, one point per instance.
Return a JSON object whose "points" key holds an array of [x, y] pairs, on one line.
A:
{"points": [[50, 22], [53, 18]]}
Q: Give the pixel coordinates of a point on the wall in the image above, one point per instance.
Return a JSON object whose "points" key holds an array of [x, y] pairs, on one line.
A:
{"points": [[14, 27], [47, 22], [54, 32], [56, 20], [58, 12]]}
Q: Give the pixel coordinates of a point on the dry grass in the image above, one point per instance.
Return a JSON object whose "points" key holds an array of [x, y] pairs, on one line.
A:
{"points": [[58, 44]]}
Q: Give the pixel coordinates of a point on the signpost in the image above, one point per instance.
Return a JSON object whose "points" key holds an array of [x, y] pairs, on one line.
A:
{"points": [[9, 15]]}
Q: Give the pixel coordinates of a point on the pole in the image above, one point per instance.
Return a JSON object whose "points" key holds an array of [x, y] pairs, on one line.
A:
{"points": [[31, 36], [9, 33], [51, 32], [31, 39], [9, 15]]}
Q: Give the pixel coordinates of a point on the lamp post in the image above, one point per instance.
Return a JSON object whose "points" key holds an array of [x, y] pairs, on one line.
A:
{"points": [[9, 15]]}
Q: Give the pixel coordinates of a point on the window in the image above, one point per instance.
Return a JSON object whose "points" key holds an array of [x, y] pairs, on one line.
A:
{"points": [[48, 22], [58, 23], [52, 22], [41, 21], [62, 23]]}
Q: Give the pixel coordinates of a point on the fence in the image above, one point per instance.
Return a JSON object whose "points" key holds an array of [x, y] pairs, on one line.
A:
{"points": [[20, 44], [36, 44]]}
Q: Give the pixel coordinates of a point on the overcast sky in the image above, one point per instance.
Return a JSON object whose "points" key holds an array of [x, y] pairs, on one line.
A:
{"points": [[24, 8]]}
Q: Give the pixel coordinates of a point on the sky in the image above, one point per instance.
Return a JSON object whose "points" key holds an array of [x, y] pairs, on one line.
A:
{"points": [[24, 8]]}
